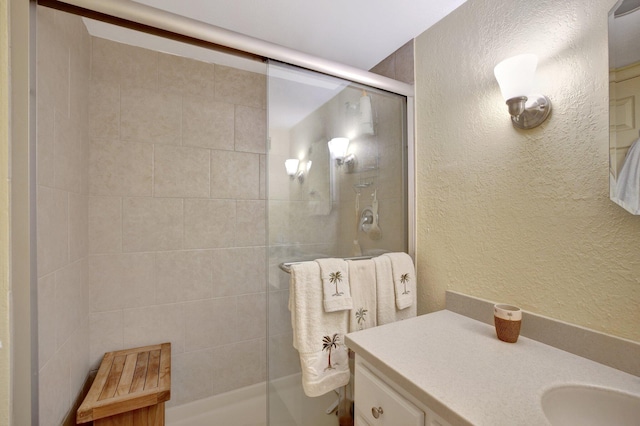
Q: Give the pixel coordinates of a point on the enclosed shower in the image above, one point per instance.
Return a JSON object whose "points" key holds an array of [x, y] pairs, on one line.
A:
{"points": [[165, 212], [320, 210]]}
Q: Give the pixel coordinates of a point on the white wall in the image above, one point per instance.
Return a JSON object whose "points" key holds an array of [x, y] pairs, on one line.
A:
{"points": [[522, 216]]}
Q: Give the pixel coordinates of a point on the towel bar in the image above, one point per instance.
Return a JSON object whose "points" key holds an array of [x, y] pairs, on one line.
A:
{"points": [[286, 266]]}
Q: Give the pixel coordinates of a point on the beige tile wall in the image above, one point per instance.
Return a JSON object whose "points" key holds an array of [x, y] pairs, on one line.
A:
{"points": [[399, 65], [176, 215], [63, 66]]}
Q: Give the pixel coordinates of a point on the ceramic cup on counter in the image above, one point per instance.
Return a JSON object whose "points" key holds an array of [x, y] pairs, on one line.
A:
{"points": [[507, 319]]}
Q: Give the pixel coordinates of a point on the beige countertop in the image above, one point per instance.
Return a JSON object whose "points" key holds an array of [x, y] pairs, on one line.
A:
{"points": [[456, 366]]}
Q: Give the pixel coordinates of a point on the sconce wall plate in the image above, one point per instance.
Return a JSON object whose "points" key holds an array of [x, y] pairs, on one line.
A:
{"points": [[536, 111]]}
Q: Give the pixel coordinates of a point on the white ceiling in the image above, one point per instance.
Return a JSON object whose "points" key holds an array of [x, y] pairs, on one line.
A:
{"points": [[359, 33]]}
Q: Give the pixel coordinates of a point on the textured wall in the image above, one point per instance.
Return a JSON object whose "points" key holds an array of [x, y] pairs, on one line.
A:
{"points": [[522, 216]]}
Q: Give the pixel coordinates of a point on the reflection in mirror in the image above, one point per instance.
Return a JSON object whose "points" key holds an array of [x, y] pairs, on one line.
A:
{"points": [[624, 104]]}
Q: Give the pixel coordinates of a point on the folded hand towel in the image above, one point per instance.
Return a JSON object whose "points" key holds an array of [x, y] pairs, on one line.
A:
{"points": [[317, 335], [362, 280], [335, 284], [385, 291], [404, 278]]}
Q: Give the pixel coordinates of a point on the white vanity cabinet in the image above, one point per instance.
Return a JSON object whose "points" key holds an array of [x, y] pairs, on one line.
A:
{"points": [[379, 402]]}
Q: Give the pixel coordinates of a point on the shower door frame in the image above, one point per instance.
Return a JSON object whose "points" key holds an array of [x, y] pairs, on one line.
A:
{"points": [[168, 25]]}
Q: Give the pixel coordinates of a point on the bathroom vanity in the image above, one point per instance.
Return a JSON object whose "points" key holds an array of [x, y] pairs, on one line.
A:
{"points": [[447, 369], [380, 401]]}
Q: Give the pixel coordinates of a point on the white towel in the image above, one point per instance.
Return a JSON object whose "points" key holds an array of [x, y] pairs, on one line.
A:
{"points": [[404, 278], [628, 183], [335, 284], [317, 335], [385, 291], [362, 279]]}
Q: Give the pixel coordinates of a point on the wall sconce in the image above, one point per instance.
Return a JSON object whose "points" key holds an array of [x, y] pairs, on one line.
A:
{"points": [[296, 170], [338, 149], [292, 167], [515, 77]]}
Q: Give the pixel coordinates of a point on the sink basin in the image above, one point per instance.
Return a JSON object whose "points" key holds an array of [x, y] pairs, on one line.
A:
{"points": [[589, 405]]}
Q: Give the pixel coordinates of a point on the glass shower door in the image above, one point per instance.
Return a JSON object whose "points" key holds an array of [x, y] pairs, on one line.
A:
{"points": [[324, 204]]}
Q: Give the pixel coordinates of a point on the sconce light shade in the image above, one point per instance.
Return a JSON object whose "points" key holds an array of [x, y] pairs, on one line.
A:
{"points": [[338, 147], [292, 166], [515, 77]]}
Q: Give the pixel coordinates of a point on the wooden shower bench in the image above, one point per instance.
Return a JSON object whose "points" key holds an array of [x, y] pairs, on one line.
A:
{"points": [[130, 388]]}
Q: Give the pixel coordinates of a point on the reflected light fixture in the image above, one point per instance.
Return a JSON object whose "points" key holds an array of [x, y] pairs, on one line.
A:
{"points": [[338, 149], [515, 77], [297, 170], [292, 167]]}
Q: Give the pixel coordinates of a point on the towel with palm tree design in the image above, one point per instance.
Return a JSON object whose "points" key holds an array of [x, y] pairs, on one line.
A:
{"points": [[318, 336], [404, 279], [335, 284], [362, 278]]}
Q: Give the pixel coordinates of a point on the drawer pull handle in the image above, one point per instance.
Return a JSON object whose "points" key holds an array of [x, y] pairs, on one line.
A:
{"points": [[376, 412]]}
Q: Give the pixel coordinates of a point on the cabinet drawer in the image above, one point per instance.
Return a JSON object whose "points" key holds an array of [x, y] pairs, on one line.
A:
{"points": [[373, 393]]}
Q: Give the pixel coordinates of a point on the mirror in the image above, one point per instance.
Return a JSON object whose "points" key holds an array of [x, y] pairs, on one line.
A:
{"points": [[624, 105]]}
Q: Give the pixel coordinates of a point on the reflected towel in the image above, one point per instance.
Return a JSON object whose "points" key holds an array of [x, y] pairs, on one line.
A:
{"points": [[335, 284], [628, 183], [317, 335]]}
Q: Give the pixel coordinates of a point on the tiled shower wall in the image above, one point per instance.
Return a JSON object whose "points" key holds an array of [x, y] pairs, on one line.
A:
{"points": [[177, 215], [151, 214], [63, 62]]}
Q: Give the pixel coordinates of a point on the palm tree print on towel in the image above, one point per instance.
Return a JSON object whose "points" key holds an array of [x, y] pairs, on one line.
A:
{"points": [[404, 279], [328, 344], [335, 278], [361, 315]]}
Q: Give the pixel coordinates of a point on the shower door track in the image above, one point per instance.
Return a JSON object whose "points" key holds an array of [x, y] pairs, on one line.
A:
{"points": [[159, 22]]}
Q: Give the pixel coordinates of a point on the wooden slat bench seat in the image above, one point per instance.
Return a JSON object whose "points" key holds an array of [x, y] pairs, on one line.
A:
{"points": [[130, 389]]}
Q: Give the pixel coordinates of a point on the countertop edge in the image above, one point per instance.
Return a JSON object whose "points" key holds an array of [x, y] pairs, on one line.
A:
{"points": [[390, 350]]}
